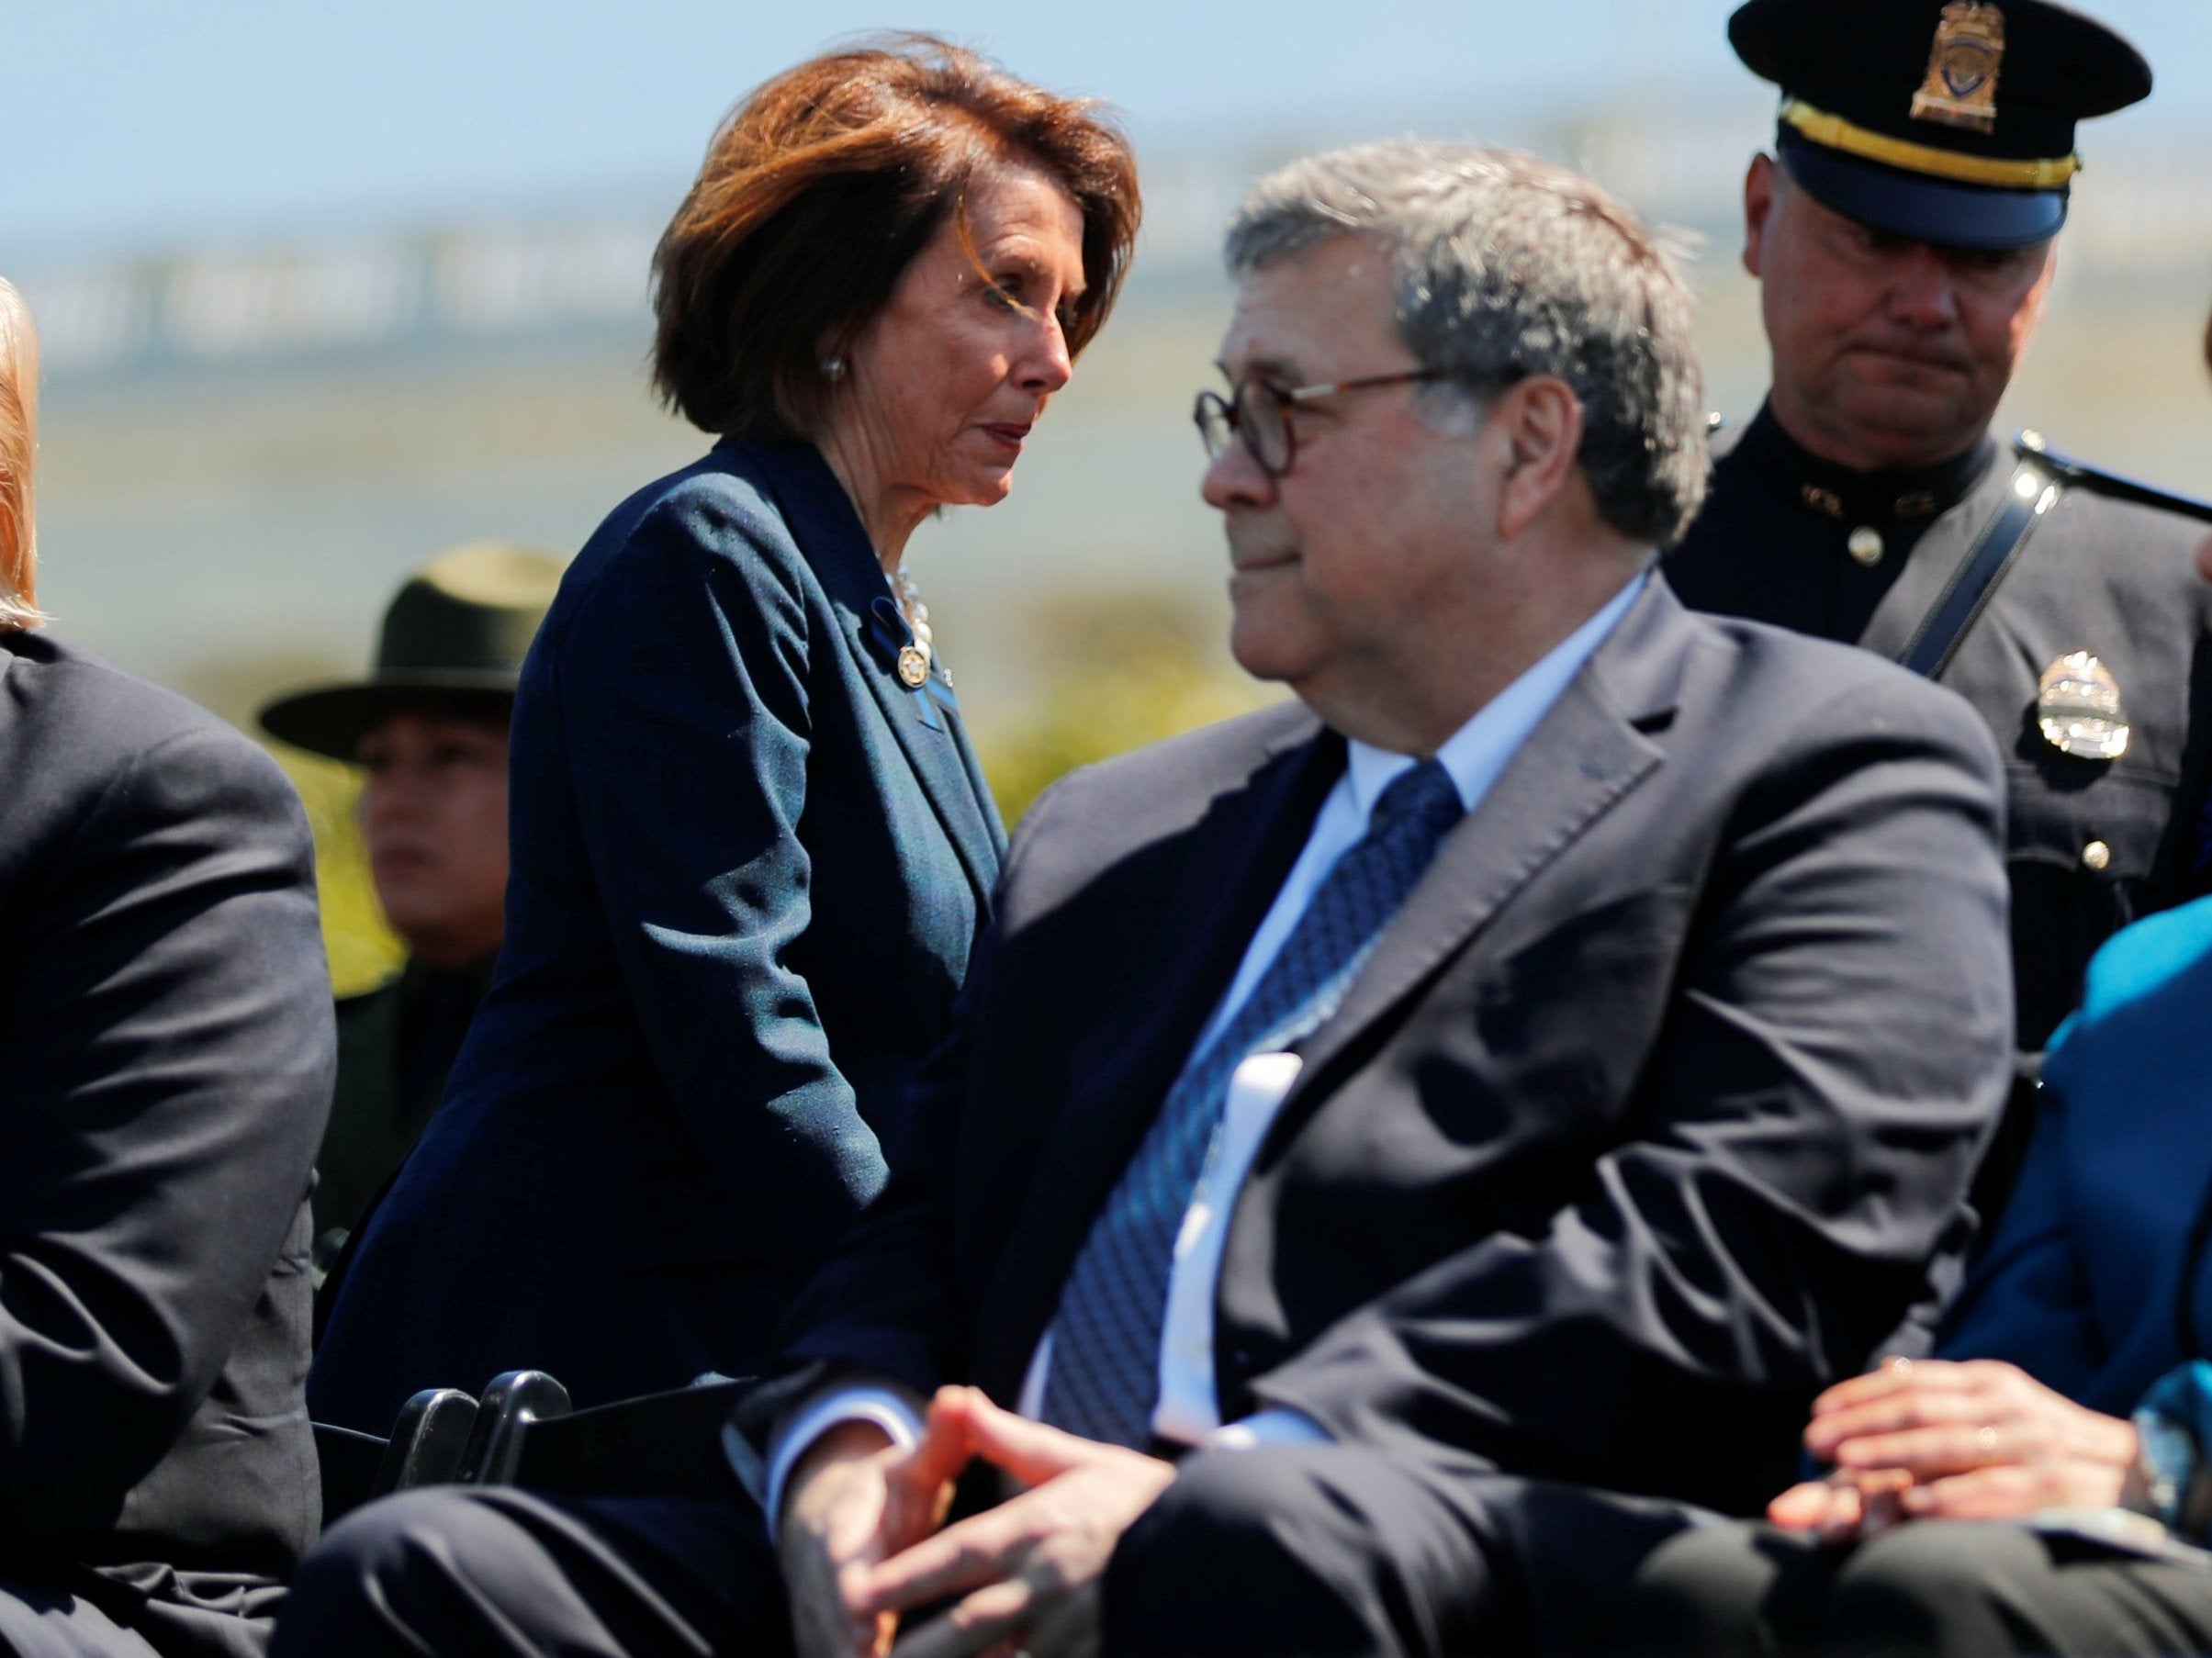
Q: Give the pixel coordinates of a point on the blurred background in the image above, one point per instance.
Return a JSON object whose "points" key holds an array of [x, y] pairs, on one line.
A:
{"points": [[327, 288]]}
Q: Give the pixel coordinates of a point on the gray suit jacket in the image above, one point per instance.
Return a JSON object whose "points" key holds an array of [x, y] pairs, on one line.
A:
{"points": [[1644, 1122]]}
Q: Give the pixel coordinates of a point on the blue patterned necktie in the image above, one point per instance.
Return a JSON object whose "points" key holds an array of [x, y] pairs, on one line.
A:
{"points": [[1103, 1377]]}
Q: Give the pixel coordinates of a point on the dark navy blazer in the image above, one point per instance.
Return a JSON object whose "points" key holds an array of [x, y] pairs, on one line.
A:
{"points": [[2096, 1281], [748, 866]]}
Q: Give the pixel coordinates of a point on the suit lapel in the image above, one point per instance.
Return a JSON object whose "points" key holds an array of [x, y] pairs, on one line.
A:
{"points": [[979, 786], [926, 724], [926, 721], [1583, 757]]}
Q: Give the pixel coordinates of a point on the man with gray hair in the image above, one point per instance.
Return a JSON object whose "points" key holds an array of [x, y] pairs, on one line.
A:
{"points": [[1397, 1150]]}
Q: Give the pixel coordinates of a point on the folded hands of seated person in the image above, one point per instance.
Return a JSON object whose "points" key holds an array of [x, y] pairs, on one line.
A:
{"points": [[1934, 1439], [862, 1546]]}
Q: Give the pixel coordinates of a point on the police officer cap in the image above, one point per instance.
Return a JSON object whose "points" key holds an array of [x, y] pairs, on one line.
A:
{"points": [[1943, 123], [453, 642]]}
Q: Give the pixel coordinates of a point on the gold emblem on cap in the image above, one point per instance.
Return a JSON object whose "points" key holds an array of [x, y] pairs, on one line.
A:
{"points": [[913, 666], [1961, 89], [2078, 710], [1864, 545]]}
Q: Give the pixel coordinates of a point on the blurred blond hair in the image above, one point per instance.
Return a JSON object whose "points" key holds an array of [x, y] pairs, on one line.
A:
{"points": [[18, 448]]}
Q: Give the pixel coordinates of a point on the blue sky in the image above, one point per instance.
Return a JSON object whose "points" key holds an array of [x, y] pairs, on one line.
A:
{"points": [[133, 121]]}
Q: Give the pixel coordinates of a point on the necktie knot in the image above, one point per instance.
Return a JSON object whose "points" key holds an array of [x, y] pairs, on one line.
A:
{"points": [[1423, 793]]}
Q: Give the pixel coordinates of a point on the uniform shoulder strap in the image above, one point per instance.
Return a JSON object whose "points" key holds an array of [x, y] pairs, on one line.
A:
{"points": [[2029, 495], [2069, 472]]}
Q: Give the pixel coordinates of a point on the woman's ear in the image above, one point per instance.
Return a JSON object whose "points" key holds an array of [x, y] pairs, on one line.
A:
{"points": [[1538, 420]]}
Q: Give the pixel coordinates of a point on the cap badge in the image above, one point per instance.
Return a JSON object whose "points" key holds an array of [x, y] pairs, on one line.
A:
{"points": [[2078, 710], [1961, 89]]}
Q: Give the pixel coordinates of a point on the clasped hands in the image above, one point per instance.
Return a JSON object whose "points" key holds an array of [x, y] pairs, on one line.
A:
{"points": [[863, 1541], [1930, 1438]]}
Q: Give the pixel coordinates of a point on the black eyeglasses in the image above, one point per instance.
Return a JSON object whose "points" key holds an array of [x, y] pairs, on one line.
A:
{"points": [[1259, 414]]}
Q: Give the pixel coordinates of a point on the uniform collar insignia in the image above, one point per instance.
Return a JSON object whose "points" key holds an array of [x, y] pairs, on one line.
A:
{"points": [[1862, 498]]}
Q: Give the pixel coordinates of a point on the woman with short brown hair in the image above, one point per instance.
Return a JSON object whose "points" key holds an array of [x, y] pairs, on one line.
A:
{"points": [[752, 844], [818, 193]]}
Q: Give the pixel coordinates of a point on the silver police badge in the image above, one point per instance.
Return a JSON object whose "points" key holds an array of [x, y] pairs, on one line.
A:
{"points": [[2079, 710]]}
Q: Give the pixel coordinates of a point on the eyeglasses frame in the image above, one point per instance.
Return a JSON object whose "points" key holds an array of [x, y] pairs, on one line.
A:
{"points": [[1286, 399]]}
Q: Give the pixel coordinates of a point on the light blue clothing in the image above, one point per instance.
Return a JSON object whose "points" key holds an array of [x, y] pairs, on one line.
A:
{"points": [[2081, 1284]]}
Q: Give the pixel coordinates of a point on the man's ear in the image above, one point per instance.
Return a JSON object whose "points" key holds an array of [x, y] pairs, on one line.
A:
{"points": [[1759, 186], [1539, 420]]}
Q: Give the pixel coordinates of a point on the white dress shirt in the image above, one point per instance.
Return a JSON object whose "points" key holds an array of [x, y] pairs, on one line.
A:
{"points": [[1188, 1411]]}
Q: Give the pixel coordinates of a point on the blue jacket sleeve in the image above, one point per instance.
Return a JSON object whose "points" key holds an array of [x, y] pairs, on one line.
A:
{"points": [[2027, 1299]]}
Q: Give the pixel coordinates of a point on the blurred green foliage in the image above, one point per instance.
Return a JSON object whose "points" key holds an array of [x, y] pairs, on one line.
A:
{"points": [[1117, 671], [362, 950]]}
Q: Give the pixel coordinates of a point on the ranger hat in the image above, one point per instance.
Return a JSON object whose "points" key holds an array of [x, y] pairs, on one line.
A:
{"points": [[453, 641], [1950, 123]]}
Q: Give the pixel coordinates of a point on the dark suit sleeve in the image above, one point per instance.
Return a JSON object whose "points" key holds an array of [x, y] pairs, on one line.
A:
{"points": [[165, 1059], [1835, 1045], [684, 687]]}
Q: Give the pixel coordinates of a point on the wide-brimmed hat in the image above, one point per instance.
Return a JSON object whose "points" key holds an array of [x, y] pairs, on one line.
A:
{"points": [[1947, 121], [454, 640]]}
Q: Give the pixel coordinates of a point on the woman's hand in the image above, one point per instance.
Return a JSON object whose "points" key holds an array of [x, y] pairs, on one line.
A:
{"points": [[1979, 1439], [1843, 1506]]}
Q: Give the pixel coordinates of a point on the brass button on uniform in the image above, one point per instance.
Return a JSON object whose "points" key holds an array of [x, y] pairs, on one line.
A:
{"points": [[1864, 543], [2096, 856]]}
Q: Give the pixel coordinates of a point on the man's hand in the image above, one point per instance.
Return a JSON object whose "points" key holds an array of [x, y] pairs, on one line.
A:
{"points": [[1980, 1440], [1029, 1570], [856, 1499]]}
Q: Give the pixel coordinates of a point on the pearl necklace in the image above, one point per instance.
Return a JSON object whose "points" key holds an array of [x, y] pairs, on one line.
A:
{"points": [[914, 658]]}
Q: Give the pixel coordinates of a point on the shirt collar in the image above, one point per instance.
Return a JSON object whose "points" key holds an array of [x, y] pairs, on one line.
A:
{"points": [[1475, 754]]}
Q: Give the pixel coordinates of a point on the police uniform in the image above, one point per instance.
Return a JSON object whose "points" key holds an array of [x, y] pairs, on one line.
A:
{"points": [[396, 1046], [2060, 602], [2095, 842]]}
